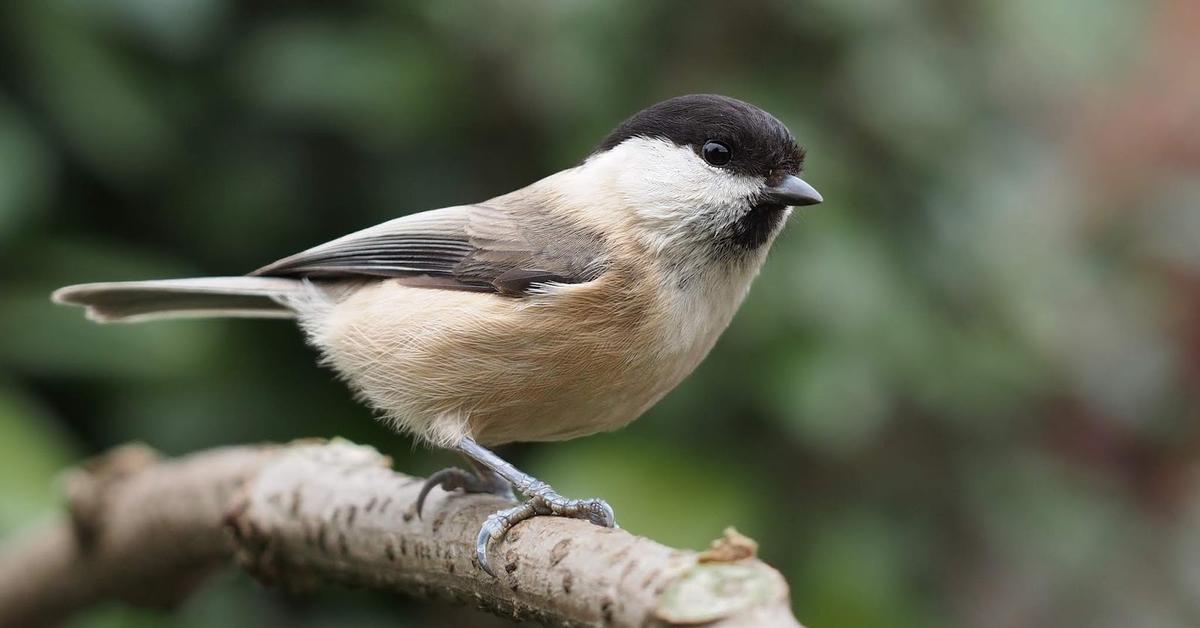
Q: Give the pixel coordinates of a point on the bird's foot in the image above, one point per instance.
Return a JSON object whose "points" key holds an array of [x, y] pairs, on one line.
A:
{"points": [[542, 501], [454, 478]]}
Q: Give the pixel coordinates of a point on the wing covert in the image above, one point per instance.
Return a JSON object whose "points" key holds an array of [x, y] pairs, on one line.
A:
{"points": [[484, 247]]}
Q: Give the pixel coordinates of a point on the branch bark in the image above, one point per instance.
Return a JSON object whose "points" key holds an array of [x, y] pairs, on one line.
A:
{"points": [[147, 531]]}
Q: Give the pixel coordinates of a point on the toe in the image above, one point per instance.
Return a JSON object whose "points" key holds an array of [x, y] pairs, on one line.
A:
{"points": [[481, 550], [601, 514], [422, 495], [495, 527], [448, 479]]}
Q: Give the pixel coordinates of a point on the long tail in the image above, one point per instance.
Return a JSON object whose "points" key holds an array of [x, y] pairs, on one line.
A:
{"points": [[136, 301]]}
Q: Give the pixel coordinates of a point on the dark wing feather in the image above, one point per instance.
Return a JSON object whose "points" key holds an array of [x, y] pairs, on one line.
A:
{"points": [[486, 247]]}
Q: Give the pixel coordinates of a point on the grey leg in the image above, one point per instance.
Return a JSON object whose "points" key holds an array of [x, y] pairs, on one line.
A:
{"points": [[542, 500], [483, 480]]}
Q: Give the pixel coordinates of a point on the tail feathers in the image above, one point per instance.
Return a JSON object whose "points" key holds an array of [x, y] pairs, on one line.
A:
{"points": [[136, 301]]}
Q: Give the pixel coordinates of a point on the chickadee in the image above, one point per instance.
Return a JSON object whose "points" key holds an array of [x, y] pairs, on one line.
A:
{"points": [[562, 309]]}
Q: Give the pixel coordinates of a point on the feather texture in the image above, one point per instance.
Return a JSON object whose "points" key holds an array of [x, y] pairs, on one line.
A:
{"points": [[505, 246], [136, 301]]}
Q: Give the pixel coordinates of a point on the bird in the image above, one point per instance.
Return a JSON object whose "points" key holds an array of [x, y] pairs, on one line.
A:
{"points": [[562, 309]]}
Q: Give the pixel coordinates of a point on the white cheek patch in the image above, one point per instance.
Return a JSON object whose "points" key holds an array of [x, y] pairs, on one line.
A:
{"points": [[676, 197]]}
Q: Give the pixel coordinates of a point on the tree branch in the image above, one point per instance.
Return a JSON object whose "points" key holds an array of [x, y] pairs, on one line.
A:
{"points": [[147, 531]]}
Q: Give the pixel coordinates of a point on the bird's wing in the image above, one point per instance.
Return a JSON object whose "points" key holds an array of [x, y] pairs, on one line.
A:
{"points": [[489, 247]]}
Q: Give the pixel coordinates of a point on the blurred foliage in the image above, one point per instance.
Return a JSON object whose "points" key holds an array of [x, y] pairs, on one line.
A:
{"points": [[962, 393]]}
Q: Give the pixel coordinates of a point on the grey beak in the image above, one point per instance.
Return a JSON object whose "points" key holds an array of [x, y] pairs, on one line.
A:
{"points": [[792, 191]]}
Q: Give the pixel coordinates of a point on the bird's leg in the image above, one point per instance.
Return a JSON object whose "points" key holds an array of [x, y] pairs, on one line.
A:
{"points": [[541, 500], [483, 480]]}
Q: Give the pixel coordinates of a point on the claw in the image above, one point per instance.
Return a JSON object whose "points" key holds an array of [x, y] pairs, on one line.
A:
{"points": [[454, 478], [446, 478], [481, 550], [495, 527]]}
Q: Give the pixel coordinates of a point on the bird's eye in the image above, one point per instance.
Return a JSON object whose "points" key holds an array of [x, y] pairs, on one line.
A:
{"points": [[716, 153]]}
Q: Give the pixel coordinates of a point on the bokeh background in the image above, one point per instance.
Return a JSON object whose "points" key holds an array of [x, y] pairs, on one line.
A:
{"points": [[964, 391]]}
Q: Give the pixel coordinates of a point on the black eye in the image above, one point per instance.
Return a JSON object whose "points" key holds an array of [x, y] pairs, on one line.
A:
{"points": [[716, 153]]}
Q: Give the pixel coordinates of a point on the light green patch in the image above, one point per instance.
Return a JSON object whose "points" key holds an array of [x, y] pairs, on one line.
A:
{"points": [[34, 451], [679, 498], [709, 592]]}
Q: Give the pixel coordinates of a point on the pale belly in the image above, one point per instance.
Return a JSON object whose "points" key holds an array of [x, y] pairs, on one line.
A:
{"points": [[445, 364]]}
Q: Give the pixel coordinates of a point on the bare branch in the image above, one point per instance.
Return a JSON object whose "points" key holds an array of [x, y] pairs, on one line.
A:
{"points": [[306, 514], [139, 531]]}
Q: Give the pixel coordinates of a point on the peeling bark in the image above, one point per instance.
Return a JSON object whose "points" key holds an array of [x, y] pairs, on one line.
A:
{"points": [[312, 513]]}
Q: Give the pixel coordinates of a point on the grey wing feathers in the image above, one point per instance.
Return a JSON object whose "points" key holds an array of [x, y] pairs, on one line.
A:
{"points": [[471, 247], [507, 246], [431, 242], [135, 301]]}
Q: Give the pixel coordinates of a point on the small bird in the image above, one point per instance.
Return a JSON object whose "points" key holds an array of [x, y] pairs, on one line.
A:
{"points": [[562, 309]]}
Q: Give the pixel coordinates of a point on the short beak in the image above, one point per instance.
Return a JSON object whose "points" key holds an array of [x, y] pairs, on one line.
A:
{"points": [[792, 191]]}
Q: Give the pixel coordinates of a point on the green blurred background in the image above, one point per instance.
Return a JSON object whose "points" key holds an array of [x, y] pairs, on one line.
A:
{"points": [[964, 391]]}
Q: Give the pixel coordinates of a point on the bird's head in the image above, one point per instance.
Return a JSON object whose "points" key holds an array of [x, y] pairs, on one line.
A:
{"points": [[703, 175]]}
